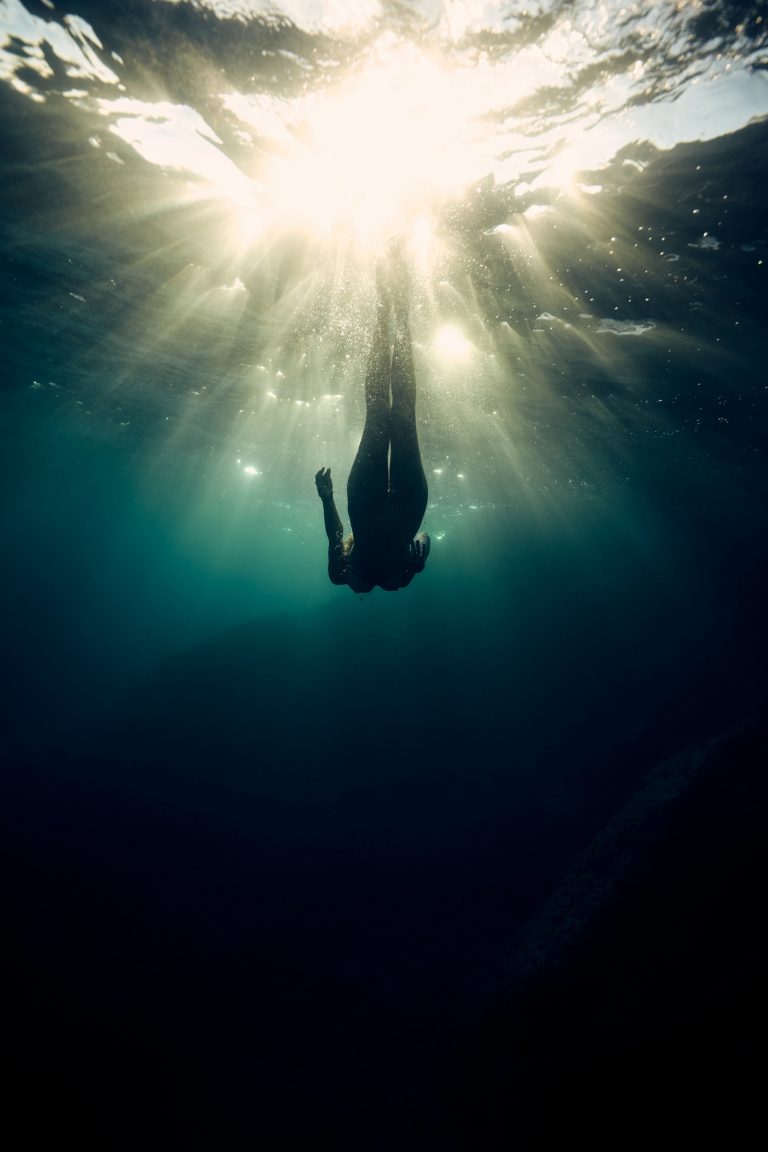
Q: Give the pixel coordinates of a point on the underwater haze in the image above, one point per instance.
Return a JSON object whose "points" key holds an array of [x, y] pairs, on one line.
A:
{"points": [[289, 866]]}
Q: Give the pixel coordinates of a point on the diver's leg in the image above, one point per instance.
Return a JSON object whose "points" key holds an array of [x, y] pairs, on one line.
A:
{"points": [[407, 482], [368, 478]]}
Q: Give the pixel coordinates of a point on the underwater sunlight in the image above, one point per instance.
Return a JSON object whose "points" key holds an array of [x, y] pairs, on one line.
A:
{"points": [[257, 195], [246, 171]]}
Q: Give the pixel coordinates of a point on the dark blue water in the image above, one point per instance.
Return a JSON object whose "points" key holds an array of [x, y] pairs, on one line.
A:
{"points": [[287, 865]]}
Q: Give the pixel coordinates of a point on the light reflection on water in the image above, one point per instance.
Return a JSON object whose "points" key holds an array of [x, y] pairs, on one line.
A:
{"points": [[238, 176]]}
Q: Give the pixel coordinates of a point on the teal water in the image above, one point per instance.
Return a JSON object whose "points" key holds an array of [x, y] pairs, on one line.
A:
{"points": [[272, 842]]}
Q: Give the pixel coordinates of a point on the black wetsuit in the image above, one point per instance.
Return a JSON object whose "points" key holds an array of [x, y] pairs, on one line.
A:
{"points": [[387, 488]]}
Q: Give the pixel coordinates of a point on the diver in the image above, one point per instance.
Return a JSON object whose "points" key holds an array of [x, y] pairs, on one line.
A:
{"points": [[387, 488]]}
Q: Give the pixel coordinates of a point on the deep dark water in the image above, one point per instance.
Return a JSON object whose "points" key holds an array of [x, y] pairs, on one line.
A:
{"points": [[215, 986], [648, 1028], [281, 896]]}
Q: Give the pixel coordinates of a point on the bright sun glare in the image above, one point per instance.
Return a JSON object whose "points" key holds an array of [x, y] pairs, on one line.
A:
{"points": [[374, 152], [368, 156], [451, 344]]}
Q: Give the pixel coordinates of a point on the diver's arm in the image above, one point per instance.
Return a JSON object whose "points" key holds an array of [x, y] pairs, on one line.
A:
{"points": [[334, 529], [337, 561], [420, 551]]}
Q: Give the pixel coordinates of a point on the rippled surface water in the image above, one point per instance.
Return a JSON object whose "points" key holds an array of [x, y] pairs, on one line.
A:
{"points": [[196, 194], [194, 197]]}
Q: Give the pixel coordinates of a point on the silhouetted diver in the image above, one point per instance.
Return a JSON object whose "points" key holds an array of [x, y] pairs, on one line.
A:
{"points": [[387, 488]]}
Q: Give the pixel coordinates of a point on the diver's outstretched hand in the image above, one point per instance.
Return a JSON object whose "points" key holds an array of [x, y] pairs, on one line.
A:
{"points": [[323, 483], [420, 550]]}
